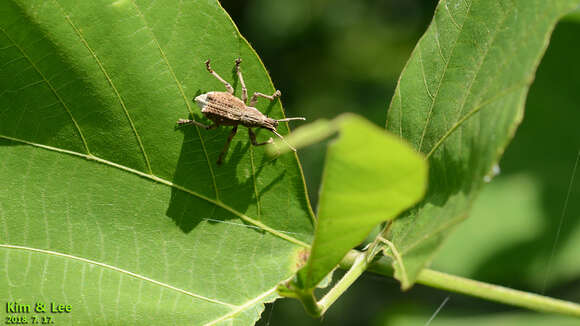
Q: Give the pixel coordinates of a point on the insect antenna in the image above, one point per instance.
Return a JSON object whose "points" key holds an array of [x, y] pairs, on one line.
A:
{"points": [[284, 140], [290, 119]]}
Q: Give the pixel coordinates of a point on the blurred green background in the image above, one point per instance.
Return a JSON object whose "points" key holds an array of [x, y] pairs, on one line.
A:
{"points": [[329, 57]]}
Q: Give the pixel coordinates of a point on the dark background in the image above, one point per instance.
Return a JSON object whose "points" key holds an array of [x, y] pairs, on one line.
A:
{"points": [[329, 57]]}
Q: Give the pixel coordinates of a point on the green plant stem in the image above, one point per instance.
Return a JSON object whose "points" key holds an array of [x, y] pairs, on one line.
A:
{"points": [[475, 288], [309, 301], [497, 293], [359, 265], [289, 289]]}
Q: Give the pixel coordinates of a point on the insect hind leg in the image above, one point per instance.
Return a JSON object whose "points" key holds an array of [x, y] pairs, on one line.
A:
{"points": [[230, 137]]}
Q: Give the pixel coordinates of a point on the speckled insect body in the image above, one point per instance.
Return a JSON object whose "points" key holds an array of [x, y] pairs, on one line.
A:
{"points": [[227, 110], [224, 109]]}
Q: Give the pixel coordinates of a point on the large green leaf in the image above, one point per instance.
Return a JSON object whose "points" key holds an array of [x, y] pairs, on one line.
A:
{"points": [[535, 198], [104, 205], [459, 101]]}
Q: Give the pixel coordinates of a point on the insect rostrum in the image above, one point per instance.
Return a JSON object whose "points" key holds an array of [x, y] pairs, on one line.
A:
{"points": [[225, 109]]}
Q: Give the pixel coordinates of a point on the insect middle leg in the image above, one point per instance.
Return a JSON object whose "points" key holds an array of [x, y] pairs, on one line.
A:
{"points": [[244, 89], [272, 97], [253, 139], [183, 122], [230, 137], [226, 84]]}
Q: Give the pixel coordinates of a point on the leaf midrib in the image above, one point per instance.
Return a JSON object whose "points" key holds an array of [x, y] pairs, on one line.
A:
{"points": [[216, 202], [235, 309], [117, 269]]}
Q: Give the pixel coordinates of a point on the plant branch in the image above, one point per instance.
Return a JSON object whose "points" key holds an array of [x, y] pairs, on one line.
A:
{"points": [[359, 265], [474, 288]]}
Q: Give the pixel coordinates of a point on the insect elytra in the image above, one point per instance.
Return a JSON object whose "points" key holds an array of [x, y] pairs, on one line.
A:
{"points": [[225, 109]]}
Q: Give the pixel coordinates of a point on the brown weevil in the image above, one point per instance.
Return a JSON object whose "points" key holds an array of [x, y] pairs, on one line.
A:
{"points": [[225, 109]]}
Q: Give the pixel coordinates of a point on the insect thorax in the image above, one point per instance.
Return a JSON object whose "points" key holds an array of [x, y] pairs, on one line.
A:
{"points": [[221, 107]]}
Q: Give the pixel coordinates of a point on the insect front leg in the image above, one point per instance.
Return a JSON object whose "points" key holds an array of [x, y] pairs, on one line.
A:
{"points": [[226, 84], [231, 136], [272, 97], [244, 89], [253, 139]]}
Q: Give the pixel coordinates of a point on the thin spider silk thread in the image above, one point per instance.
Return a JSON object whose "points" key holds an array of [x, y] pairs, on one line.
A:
{"points": [[437, 311], [562, 216]]}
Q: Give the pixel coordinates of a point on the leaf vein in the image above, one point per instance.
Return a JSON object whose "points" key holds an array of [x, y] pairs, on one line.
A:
{"points": [[243, 307], [110, 82], [420, 54], [438, 230], [438, 42], [480, 64], [440, 81], [480, 106], [179, 86], [472, 112], [459, 27], [52, 89]]}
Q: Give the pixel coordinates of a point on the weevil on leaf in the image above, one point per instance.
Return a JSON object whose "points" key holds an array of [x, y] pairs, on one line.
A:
{"points": [[225, 109]]}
